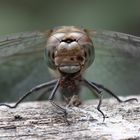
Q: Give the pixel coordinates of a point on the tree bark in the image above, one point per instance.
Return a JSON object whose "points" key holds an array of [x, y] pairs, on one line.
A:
{"points": [[42, 121]]}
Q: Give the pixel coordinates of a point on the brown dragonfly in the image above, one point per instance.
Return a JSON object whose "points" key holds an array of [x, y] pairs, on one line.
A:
{"points": [[69, 52]]}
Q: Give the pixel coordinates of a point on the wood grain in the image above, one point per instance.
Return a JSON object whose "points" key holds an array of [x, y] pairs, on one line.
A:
{"points": [[42, 121]]}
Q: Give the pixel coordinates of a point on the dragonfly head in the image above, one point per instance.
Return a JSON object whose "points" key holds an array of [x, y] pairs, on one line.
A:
{"points": [[69, 50]]}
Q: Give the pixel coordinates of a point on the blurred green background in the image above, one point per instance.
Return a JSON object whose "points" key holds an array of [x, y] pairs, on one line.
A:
{"points": [[32, 15], [24, 15]]}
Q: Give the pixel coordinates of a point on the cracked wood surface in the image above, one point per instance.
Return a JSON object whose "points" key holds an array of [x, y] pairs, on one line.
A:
{"points": [[41, 121]]}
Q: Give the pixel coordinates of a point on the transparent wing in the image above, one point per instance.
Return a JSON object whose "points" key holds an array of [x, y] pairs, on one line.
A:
{"points": [[21, 64], [16, 43], [117, 61]]}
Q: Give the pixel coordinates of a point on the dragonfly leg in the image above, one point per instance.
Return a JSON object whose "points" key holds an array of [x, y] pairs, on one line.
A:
{"points": [[51, 97], [113, 94], [47, 84], [98, 93]]}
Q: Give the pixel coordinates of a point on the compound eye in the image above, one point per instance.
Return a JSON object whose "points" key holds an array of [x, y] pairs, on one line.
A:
{"points": [[50, 55], [85, 54], [53, 55]]}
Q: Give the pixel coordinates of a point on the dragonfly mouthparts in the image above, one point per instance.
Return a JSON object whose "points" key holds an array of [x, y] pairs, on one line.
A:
{"points": [[69, 68]]}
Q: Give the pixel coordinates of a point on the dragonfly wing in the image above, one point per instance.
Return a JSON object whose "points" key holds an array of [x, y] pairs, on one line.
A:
{"points": [[16, 43], [117, 61], [21, 64]]}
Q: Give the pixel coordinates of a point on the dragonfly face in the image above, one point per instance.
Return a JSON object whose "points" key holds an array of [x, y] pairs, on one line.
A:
{"points": [[69, 50]]}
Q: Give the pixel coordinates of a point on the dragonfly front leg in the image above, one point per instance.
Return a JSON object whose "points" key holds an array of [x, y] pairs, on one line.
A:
{"points": [[98, 93], [44, 85], [51, 97], [113, 94]]}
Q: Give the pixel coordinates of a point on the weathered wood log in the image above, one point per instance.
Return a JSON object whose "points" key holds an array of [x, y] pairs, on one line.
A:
{"points": [[41, 121]]}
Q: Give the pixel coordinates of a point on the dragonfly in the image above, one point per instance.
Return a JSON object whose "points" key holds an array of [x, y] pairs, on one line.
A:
{"points": [[69, 51]]}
